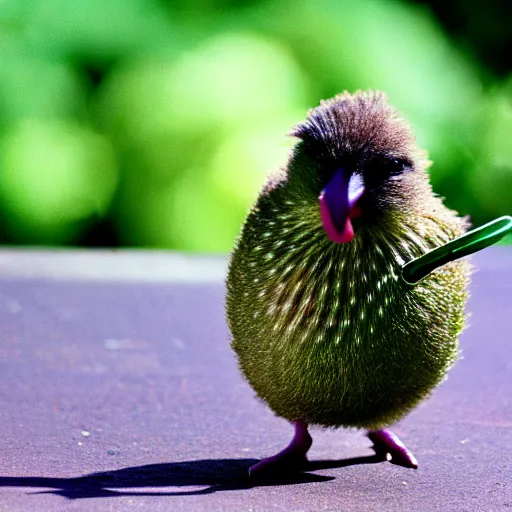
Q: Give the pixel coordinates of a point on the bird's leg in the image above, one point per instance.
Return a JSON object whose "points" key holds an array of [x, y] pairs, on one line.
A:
{"points": [[385, 442], [291, 458]]}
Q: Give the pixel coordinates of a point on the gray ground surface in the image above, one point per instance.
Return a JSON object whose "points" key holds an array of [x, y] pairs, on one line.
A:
{"points": [[119, 391]]}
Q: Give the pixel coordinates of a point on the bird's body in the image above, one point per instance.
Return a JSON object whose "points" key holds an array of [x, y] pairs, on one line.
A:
{"points": [[324, 335], [328, 333]]}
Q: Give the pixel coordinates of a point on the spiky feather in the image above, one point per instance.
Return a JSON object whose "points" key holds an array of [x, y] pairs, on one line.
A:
{"points": [[330, 333]]}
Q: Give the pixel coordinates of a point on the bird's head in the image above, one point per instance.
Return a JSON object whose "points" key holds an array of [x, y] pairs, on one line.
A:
{"points": [[359, 160]]}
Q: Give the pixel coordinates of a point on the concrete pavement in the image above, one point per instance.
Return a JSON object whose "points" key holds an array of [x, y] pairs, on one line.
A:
{"points": [[119, 391]]}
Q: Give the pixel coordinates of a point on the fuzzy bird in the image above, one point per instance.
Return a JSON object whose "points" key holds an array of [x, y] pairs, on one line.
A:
{"points": [[325, 329]]}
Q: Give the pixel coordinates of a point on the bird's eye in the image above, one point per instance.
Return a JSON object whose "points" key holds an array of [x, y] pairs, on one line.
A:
{"points": [[384, 167], [395, 166]]}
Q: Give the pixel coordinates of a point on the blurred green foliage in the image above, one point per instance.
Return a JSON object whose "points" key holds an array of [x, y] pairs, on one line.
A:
{"points": [[152, 123]]}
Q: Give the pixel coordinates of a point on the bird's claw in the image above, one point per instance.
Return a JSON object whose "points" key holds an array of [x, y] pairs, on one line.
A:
{"points": [[290, 460], [385, 442]]}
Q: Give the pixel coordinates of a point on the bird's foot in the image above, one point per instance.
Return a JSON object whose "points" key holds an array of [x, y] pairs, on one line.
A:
{"points": [[291, 459], [385, 442]]}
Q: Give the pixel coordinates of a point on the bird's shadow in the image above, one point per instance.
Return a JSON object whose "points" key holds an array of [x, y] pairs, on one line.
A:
{"points": [[211, 475]]}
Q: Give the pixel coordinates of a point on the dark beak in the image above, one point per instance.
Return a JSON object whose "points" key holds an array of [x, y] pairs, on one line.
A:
{"points": [[338, 204]]}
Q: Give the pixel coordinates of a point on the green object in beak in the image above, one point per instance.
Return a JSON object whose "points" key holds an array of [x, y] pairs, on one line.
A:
{"points": [[471, 242]]}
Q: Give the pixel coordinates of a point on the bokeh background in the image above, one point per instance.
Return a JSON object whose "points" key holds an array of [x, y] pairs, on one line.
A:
{"points": [[152, 123]]}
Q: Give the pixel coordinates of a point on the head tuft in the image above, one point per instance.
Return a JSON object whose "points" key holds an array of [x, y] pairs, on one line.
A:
{"points": [[355, 125]]}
